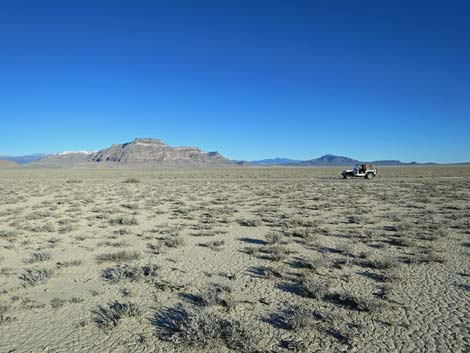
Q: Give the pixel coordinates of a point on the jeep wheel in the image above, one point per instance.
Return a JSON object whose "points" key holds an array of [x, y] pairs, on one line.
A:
{"points": [[370, 176]]}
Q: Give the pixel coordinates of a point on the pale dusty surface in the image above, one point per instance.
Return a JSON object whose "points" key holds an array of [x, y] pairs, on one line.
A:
{"points": [[400, 242]]}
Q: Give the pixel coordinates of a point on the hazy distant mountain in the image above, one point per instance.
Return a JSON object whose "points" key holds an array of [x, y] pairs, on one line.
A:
{"points": [[5, 163], [23, 159], [276, 161], [327, 160], [140, 151], [391, 162], [65, 158], [151, 151]]}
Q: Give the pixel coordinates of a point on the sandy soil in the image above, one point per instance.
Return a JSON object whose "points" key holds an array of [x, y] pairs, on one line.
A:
{"points": [[234, 260]]}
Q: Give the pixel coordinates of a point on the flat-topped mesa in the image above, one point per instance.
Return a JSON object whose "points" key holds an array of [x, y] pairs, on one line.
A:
{"points": [[148, 141], [149, 150], [141, 151]]}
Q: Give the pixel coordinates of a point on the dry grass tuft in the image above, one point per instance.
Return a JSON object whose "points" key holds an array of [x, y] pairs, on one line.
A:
{"points": [[129, 273], [109, 316], [121, 256], [199, 328], [32, 277]]}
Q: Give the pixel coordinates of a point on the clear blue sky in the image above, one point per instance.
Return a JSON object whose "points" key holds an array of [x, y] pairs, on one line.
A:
{"points": [[252, 79]]}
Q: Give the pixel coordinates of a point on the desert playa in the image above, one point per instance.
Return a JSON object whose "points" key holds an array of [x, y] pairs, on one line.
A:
{"points": [[234, 260]]}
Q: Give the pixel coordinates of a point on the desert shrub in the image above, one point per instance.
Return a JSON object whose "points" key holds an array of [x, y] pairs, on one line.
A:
{"points": [[293, 318], [355, 302], [273, 238], [3, 313], [168, 286], [131, 181], [199, 328], [355, 219], [52, 242], [8, 234], [113, 244], [428, 257], [205, 233], [342, 334], [403, 241], [6, 271], [130, 206], [442, 233], [173, 242], [252, 222], [66, 228], [401, 227], [68, 263], [57, 303], [75, 300], [122, 231], [4, 318], [129, 273], [251, 250], [392, 275], [108, 316], [306, 233], [379, 263], [216, 295], [266, 272], [215, 245], [309, 264], [184, 211], [121, 256], [39, 256], [278, 253], [38, 215], [125, 292], [386, 290], [49, 227], [295, 344], [310, 289], [153, 248], [124, 220], [32, 277]]}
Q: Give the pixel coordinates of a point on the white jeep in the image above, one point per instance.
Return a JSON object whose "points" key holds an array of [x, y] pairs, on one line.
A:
{"points": [[367, 171]]}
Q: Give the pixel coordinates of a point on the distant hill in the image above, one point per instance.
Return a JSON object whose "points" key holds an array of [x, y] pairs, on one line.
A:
{"points": [[66, 158], [139, 151], [149, 151], [23, 159], [276, 161], [4, 163], [328, 160]]}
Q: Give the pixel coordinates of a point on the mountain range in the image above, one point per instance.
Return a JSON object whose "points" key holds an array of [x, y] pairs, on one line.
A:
{"points": [[326, 160], [139, 151], [23, 159], [151, 151]]}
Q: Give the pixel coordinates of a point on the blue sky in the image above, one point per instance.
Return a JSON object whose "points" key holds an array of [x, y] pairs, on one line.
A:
{"points": [[252, 79]]}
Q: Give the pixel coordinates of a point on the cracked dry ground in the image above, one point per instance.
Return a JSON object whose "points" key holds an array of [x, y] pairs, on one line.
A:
{"points": [[234, 260]]}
